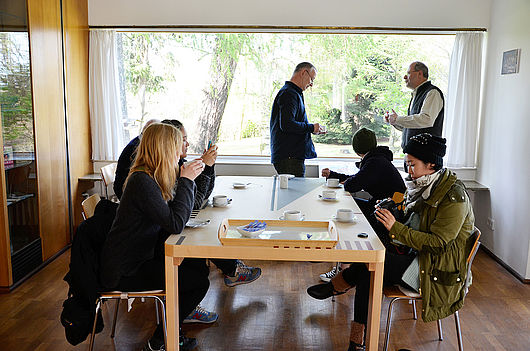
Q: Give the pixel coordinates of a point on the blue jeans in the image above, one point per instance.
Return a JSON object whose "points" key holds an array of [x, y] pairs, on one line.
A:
{"points": [[290, 166]]}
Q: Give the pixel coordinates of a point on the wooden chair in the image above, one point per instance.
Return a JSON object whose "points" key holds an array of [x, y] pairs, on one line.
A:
{"points": [[397, 293], [157, 295], [108, 173], [89, 205]]}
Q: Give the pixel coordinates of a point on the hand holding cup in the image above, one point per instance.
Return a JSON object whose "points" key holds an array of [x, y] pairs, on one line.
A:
{"points": [[192, 169]]}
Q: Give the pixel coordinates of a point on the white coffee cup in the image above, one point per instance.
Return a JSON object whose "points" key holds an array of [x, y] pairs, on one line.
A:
{"points": [[332, 182], [221, 200], [329, 194], [344, 214], [284, 181], [292, 215]]}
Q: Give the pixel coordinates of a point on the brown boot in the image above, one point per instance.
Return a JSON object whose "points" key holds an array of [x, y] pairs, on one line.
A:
{"points": [[357, 337], [339, 284]]}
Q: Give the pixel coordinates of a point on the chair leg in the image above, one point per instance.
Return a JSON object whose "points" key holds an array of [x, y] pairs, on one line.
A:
{"points": [[414, 309], [115, 318], [337, 265], [440, 331], [157, 314], [388, 322], [93, 335], [164, 326], [458, 332]]}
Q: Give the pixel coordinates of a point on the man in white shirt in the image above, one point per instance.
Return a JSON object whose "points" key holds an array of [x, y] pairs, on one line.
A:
{"points": [[426, 108]]}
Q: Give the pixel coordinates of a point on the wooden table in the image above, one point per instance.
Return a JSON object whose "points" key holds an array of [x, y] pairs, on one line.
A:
{"points": [[263, 199]]}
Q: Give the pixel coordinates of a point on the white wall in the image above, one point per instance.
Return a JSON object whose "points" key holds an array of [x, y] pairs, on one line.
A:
{"points": [[388, 13], [504, 151]]}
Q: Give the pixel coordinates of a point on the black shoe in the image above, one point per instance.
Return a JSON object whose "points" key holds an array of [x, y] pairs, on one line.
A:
{"points": [[323, 291], [186, 344], [356, 347]]}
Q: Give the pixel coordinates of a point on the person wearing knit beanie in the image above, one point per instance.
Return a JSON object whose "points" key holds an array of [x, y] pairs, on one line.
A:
{"points": [[363, 141], [427, 148]]}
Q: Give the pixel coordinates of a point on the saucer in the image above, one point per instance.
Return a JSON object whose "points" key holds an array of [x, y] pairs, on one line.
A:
{"points": [[240, 185], [336, 186], [354, 219], [289, 176], [282, 218], [221, 206], [327, 199], [195, 223]]}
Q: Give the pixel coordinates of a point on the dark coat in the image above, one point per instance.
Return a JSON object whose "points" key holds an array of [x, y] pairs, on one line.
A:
{"points": [[143, 221], [377, 175], [446, 223], [290, 130], [83, 276]]}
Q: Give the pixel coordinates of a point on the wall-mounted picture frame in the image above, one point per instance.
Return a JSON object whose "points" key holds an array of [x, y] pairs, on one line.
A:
{"points": [[510, 61]]}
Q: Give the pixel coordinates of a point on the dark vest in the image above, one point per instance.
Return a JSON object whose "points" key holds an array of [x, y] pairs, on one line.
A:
{"points": [[415, 108]]}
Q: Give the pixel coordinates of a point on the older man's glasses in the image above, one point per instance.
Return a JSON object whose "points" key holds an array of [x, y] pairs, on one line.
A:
{"points": [[311, 79]]}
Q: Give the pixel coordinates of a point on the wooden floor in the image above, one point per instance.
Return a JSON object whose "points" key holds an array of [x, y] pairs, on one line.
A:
{"points": [[275, 313]]}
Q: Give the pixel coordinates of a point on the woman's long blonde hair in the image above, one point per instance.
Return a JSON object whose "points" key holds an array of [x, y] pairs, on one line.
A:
{"points": [[158, 155]]}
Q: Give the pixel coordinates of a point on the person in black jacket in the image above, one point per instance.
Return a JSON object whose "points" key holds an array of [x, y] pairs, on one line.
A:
{"points": [[377, 176], [132, 258], [126, 159]]}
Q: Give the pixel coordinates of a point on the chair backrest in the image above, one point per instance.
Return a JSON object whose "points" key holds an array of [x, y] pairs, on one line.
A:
{"points": [[473, 244], [108, 173], [89, 205]]}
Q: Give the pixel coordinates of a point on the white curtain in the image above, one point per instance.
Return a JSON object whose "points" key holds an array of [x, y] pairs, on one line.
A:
{"points": [[463, 100], [104, 97]]}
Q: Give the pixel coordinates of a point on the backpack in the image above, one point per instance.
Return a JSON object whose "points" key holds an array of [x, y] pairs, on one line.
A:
{"points": [[78, 312], [77, 320]]}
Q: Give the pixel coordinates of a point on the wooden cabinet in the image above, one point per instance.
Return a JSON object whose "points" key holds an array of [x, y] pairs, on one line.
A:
{"points": [[58, 47]]}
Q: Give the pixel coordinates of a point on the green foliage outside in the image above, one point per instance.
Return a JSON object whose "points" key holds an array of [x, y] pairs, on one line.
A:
{"points": [[15, 92], [237, 75]]}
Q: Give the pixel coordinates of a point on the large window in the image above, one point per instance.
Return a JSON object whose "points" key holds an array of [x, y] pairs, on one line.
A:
{"points": [[222, 85]]}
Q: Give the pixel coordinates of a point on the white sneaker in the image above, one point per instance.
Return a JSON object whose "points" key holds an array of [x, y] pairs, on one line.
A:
{"points": [[326, 277]]}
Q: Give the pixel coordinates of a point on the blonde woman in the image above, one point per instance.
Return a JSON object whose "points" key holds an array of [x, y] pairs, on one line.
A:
{"points": [[132, 258]]}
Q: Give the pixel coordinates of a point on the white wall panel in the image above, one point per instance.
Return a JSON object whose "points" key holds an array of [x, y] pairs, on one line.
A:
{"points": [[388, 13]]}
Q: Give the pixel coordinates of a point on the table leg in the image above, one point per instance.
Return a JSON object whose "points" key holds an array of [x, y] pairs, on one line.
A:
{"points": [[172, 299], [374, 305]]}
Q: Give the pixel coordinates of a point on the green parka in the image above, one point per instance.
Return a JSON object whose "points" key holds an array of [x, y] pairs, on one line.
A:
{"points": [[446, 222]]}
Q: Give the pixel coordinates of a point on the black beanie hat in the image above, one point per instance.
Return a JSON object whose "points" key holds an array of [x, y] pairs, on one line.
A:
{"points": [[426, 147], [363, 141]]}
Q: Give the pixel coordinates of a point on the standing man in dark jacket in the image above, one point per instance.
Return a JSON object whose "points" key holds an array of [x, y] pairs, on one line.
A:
{"points": [[426, 108], [290, 129]]}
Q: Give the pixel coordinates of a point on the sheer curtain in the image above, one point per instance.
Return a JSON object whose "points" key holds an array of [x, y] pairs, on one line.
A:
{"points": [[105, 111], [463, 100]]}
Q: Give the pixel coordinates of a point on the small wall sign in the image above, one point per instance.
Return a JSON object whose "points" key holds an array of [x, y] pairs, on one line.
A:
{"points": [[510, 61]]}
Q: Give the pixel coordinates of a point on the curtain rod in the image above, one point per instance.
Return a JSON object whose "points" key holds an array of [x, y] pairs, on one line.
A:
{"points": [[294, 29]]}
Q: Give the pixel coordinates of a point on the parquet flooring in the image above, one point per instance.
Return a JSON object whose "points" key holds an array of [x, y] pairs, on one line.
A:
{"points": [[274, 313]]}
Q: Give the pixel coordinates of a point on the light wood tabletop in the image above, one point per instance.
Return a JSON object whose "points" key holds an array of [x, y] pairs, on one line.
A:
{"points": [[262, 199]]}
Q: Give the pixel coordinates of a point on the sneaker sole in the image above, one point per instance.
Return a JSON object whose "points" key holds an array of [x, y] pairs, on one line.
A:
{"points": [[325, 279], [243, 282], [190, 321]]}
